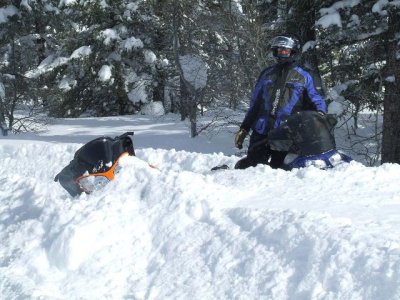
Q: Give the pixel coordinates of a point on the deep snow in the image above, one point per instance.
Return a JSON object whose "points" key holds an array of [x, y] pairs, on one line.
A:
{"points": [[183, 232]]}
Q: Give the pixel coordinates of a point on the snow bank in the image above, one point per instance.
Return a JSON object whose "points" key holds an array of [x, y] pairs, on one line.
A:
{"points": [[180, 231]]}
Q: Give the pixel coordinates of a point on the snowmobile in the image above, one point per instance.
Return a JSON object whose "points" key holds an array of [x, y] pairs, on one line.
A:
{"points": [[95, 164], [308, 139]]}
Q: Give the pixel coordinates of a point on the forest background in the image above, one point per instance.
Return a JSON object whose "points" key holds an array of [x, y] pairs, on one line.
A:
{"points": [[73, 58]]}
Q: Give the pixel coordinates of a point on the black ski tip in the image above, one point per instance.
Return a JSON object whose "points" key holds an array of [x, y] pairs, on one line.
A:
{"points": [[221, 167]]}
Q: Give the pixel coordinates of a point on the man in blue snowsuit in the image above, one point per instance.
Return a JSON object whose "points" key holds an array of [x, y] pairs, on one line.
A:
{"points": [[281, 90]]}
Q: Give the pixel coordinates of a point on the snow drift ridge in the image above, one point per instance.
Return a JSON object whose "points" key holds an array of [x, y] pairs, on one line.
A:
{"points": [[181, 231]]}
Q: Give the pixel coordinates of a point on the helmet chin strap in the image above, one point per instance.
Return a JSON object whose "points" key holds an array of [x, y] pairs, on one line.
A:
{"points": [[283, 60]]}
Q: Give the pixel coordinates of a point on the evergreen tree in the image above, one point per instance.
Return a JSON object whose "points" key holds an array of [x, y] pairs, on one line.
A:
{"points": [[25, 37], [107, 64], [352, 52]]}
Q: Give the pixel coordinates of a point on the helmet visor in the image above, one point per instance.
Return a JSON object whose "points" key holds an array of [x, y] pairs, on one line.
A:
{"points": [[283, 42]]}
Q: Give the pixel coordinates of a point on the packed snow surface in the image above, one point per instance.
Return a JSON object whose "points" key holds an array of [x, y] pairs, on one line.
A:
{"points": [[181, 231]]}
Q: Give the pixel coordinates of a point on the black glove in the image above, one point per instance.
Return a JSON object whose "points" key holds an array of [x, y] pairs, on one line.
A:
{"points": [[239, 138]]}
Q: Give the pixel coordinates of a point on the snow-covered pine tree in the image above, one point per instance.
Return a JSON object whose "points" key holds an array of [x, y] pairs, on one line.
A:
{"points": [[25, 38], [107, 64], [351, 49]]}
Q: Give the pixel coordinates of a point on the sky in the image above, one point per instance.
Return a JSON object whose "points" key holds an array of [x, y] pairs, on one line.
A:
{"points": [[181, 231]]}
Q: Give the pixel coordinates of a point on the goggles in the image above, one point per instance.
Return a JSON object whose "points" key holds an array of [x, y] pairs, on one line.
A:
{"points": [[96, 181], [283, 52]]}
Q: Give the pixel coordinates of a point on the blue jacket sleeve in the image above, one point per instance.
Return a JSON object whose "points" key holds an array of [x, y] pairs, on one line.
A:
{"points": [[254, 108], [255, 103]]}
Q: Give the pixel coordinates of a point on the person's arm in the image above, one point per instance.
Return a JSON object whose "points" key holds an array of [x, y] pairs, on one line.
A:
{"points": [[255, 103], [254, 109], [313, 93]]}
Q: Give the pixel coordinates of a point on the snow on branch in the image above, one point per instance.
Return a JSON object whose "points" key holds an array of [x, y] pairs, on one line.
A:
{"points": [[6, 12], [194, 70]]}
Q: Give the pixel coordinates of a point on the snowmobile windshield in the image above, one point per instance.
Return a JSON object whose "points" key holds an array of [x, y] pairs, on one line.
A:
{"points": [[96, 181], [311, 133], [280, 138]]}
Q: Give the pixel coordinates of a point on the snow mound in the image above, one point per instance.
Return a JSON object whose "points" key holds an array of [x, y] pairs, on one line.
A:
{"points": [[180, 231]]}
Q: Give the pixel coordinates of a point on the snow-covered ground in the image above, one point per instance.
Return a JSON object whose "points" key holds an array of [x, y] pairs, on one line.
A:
{"points": [[183, 232]]}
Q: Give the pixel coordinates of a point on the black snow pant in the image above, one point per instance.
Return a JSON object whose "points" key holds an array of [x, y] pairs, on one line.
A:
{"points": [[260, 153]]}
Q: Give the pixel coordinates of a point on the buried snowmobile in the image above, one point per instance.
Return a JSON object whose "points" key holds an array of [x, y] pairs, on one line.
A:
{"points": [[308, 139], [95, 164]]}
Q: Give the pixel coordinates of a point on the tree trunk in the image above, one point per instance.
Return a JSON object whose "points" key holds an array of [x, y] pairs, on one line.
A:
{"points": [[391, 118], [122, 97], [159, 89], [193, 115]]}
